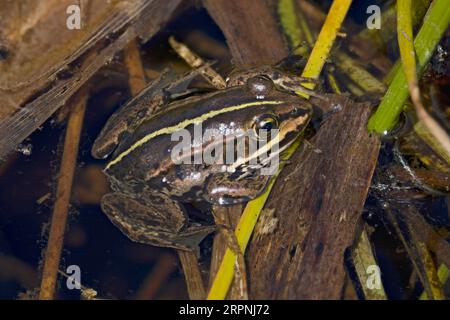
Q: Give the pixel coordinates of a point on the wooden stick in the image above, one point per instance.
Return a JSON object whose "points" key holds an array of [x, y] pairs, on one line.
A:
{"points": [[195, 61], [60, 210], [136, 73], [227, 217], [251, 30], [427, 234], [192, 274]]}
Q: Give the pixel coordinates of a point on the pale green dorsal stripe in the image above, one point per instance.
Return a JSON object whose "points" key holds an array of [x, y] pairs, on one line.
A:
{"points": [[183, 124]]}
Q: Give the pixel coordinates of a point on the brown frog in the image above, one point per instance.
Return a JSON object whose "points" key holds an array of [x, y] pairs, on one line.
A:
{"points": [[151, 191]]}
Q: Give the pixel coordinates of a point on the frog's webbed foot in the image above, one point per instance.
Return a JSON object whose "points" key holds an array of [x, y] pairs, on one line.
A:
{"points": [[159, 222]]}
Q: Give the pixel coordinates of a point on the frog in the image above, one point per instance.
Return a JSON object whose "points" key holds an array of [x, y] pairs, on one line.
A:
{"points": [[152, 195]]}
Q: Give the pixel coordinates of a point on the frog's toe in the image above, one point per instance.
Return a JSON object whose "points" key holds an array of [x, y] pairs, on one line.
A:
{"points": [[192, 236]]}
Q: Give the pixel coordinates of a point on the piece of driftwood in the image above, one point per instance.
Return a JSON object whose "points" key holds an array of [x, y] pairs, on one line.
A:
{"points": [[317, 199], [251, 31]]}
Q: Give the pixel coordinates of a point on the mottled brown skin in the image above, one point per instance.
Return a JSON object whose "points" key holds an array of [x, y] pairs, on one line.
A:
{"points": [[149, 189]]}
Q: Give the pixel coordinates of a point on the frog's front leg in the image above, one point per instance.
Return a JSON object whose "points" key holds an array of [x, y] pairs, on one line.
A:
{"points": [[158, 221], [226, 189]]}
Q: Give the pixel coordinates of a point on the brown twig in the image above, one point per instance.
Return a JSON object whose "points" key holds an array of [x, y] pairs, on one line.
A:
{"points": [[195, 61], [60, 210], [427, 234], [230, 215], [192, 274], [136, 73]]}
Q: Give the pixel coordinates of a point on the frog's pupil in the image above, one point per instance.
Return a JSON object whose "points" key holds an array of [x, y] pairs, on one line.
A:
{"points": [[267, 125]]}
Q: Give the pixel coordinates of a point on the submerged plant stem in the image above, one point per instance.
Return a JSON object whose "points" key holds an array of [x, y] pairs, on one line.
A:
{"points": [[63, 192]]}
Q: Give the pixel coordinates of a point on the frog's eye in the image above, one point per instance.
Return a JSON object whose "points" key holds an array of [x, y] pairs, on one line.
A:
{"points": [[260, 86], [266, 123]]}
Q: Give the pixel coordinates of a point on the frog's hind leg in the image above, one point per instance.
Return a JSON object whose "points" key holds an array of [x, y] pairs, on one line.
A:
{"points": [[159, 222]]}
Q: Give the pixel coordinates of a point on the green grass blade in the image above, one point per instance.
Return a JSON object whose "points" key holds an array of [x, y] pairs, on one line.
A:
{"points": [[435, 23]]}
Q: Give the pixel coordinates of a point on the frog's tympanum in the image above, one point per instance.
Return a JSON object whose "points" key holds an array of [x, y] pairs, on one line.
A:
{"points": [[151, 193]]}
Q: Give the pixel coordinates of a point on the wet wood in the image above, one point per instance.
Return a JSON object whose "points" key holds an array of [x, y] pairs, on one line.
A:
{"points": [[192, 274], [251, 31], [318, 199], [39, 76], [428, 235], [318, 203], [136, 74]]}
